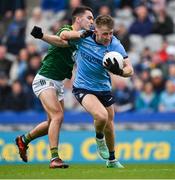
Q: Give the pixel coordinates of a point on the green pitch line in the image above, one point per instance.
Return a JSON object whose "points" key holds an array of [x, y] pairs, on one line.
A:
{"points": [[88, 171]]}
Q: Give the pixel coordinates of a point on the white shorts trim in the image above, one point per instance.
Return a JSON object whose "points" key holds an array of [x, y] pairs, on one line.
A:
{"points": [[41, 83]]}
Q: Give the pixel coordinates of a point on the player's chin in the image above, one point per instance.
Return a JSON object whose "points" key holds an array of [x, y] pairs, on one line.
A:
{"points": [[106, 42], [88, 28]]}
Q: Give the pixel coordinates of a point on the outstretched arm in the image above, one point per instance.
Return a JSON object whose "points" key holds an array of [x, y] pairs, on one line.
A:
{"points": [[55, 40], [70, 35], [51, 39]]}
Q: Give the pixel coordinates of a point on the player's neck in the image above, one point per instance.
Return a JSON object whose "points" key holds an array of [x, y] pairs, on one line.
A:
{"points": [[75, 27]]}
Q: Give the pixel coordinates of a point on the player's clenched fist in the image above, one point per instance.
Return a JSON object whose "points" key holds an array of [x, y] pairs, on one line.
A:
{"points": [[37, 32]]}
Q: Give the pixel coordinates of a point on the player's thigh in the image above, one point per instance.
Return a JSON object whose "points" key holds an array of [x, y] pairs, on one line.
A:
{"points": [[91, 103], [50, 101]]}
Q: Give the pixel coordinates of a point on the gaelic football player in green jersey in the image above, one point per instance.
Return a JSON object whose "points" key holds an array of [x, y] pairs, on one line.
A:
{"points": [[48, 84]]}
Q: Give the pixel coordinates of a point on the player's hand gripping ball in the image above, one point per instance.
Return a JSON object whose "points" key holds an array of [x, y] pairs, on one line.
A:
{"points": [[113, 62]]}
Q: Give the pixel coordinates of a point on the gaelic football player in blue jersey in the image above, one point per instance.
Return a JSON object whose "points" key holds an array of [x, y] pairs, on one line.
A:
{"points": [[92, 84]]}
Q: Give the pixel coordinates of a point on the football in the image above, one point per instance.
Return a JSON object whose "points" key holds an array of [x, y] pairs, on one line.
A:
{"points": [[112, 55]]}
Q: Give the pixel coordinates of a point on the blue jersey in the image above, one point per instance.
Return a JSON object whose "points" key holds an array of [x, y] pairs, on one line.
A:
{"points": [[91, 74]]}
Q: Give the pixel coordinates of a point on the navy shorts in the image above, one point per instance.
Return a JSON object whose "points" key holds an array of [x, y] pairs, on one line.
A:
{"points": [[105, 97]]}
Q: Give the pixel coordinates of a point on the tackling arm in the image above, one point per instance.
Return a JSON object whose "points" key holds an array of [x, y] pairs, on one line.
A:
{"points": [[70, 35], [67, 35], [55, 40], [51, 39]]}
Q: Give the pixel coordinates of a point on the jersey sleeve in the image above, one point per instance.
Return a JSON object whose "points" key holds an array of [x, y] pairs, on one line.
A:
{"points": [[64, 28], [122, 51], [119, 48]]}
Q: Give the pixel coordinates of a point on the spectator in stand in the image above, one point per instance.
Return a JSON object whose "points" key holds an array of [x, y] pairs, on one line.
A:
{"points": [[123, 94], [131, 4], [15, 35], [135, 58], [146, 60], [125, 4], [171, 54], [143, 24], [34, 64], [16, 100], [100, 7], [162, 53], [8, 6], [55, 26], [5, 90], [72, 5], [38, 19], [19, 66], [106, 7], [4, 23], [158, 4], [33, 103], [144, 75], [167, 98], [138, 86], [157, 80], [104, 10], [171, 73], [31, 49], [147, 100], [7, 9], [5, 63], [163, 24]]}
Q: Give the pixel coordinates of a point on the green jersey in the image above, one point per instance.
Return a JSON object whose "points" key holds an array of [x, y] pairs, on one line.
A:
{"points": [[58, 63]]}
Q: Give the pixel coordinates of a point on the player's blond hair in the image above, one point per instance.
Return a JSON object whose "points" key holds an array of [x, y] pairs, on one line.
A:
{"points": [[104, 20]]}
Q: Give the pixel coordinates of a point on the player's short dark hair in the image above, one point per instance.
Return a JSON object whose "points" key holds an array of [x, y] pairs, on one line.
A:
{"points": [[79, 11], [104, 20]]}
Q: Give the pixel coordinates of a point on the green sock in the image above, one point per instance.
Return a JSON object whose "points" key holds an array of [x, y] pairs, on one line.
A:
{"points": [[27, 138], [54, 152]]}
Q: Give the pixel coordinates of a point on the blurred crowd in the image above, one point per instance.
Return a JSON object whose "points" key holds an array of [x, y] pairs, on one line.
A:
{"points": [[144, 27]]}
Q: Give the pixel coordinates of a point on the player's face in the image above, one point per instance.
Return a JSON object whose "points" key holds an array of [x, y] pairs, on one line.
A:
{"points": [[103, 35], [86, 20]]}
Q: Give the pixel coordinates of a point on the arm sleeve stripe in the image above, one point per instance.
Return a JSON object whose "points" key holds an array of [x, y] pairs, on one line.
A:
{"points": [[65, 29], [125, 57]]}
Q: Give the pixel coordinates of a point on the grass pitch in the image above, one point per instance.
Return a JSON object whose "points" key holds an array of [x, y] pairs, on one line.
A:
{"points": [[88, 171]]}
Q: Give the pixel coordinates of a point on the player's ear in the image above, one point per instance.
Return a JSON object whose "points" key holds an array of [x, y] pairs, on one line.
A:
{"points": [[78, 19]]}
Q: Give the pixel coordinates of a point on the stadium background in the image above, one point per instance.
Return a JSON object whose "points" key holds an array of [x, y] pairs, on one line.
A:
{"points": [[145, 103]]}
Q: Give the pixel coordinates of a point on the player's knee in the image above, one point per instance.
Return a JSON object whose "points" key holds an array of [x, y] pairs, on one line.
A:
{"points": [[58, 116], [101, 116]]}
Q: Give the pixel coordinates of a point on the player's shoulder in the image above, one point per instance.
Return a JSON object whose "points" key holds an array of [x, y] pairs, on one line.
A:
{"points": [[65, 28], [115, 40], [89, 40]]}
